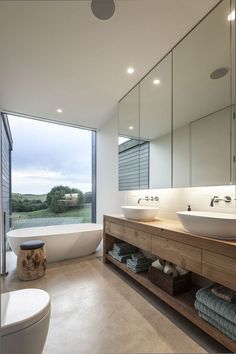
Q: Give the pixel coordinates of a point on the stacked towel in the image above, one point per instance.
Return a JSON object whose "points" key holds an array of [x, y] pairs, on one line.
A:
{"points": [[123, 248], [121, 258], [217, 312], [138, 263], [122, 251]]}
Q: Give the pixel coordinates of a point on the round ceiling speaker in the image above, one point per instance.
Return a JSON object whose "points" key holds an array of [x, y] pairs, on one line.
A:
{"points": [[219, 73], [103, 9]]}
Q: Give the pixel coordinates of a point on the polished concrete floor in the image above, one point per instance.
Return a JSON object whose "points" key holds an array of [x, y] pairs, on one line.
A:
{"points": [[96, 309]]}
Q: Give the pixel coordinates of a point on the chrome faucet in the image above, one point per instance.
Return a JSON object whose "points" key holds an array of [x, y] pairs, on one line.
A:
{"points": [[146, 198], [216, 199], [152, 199]]}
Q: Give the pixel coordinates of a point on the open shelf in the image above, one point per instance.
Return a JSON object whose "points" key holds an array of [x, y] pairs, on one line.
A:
{"points": [[183, 303]]}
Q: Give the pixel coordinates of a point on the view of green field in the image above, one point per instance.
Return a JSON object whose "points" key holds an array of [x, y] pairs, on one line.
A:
{"points": [[45, 217]]}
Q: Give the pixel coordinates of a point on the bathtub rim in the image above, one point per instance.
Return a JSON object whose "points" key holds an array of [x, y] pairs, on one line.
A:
{"points": [[53, 230]]}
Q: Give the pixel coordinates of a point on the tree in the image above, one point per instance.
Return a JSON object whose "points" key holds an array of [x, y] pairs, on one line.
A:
{"points": [[56, 198], [55, 202]]}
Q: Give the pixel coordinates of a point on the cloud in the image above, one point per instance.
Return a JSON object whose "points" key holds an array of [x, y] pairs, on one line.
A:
{"points": [[46, 154]]}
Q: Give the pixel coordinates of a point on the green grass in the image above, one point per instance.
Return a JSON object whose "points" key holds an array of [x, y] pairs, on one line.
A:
{"points": [[47, 213], [47, 217]]}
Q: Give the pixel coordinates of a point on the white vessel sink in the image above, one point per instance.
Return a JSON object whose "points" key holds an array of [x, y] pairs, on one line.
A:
{"points": [[140, 213], [211, 224]]}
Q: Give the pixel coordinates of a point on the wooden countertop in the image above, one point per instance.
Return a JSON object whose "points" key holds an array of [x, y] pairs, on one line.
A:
{"points": [[172, 229]]}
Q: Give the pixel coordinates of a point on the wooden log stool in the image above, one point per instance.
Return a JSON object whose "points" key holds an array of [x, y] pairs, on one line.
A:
{"points": [[31, 261]]}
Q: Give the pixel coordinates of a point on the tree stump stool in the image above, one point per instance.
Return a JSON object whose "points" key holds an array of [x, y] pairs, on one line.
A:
{"points": [[31, 261]]}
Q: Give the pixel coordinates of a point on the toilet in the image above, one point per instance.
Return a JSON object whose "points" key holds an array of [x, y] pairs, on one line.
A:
{"points": [[25, 316]]}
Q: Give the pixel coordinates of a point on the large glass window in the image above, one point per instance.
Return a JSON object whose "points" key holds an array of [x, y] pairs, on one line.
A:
{"points": [[52, 173]]}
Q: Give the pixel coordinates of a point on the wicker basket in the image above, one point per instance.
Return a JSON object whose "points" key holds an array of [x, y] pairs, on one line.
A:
{"points": [[172, 286]]}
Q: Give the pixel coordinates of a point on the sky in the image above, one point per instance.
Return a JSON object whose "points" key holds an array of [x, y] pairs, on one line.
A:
{"points": [[46, 155]]}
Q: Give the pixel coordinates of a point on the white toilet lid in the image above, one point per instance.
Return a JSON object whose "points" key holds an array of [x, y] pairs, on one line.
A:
{"points": [[22, 308]]}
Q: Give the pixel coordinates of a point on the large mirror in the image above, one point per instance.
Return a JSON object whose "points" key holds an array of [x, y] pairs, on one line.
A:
{"points": [[129, 148], [202, 103], [176, 127], [155, 121]]}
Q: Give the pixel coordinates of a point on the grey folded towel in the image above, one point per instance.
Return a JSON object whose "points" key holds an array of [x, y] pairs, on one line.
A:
{"points": [[123, 248], [226, 324], [121, 258], [221, 307], [217, 325]]}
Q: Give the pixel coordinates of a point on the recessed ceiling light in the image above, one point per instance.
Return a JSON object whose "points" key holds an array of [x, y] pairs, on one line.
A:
{"points": [[59, 110], [131, 127], [130, 70], [103, 9], [156, 81], [231, 16]]}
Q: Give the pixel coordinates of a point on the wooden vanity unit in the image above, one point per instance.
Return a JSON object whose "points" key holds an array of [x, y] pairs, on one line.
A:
{"points": [[211, 258]]}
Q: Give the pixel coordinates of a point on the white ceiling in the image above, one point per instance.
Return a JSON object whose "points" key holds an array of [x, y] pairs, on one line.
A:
{"points": [[56, 54]]}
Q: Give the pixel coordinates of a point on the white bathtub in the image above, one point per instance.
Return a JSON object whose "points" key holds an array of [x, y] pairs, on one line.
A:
{"points": [[61, 241]]}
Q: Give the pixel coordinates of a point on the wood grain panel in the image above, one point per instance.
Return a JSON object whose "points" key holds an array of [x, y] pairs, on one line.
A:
{"points": [[186, 256], [135, 237], [219, 268]]}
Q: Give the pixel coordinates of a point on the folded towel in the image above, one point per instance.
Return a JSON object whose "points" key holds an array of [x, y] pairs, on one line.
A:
{"points": [[142, 265], [226, 324], [217, 325], [121, 258], [224, 293], [123, 248], [221, 307], [138, 263]]}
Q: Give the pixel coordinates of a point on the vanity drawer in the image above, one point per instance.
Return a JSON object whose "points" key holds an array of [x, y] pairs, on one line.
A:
{"points": [[179, 253], [135, 237], [219, 268]]}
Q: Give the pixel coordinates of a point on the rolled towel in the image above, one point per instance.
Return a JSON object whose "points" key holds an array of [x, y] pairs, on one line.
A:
{"points": [[157, 264], [181, 271], [170, 270], [224, 293]]}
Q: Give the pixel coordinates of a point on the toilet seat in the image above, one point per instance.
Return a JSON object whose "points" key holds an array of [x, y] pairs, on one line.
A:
{"points": [[22, 308]]}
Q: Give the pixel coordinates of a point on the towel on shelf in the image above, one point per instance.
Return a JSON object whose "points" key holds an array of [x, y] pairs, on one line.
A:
{"points": [[221, 307], [226, 324], [138, 263], [224, 293], [217, 325], [123, 248], [121, 258]]}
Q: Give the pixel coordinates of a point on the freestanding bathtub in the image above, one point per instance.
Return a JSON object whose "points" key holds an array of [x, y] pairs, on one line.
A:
{"points": [[61, 241]]}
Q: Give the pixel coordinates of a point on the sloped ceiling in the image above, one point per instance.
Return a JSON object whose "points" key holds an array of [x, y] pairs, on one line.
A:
{"points": [[56, 54]]}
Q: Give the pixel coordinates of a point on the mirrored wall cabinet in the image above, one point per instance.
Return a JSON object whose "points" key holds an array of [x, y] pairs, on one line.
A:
{"points": [[177, 126]]}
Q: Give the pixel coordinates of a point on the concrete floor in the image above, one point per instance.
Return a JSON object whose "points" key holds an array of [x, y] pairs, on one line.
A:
{"points": [[96, 309]]}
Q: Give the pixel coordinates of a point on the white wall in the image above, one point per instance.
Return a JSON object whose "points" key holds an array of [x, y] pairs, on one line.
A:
{"points": [[177, 199], [108, 197]]}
